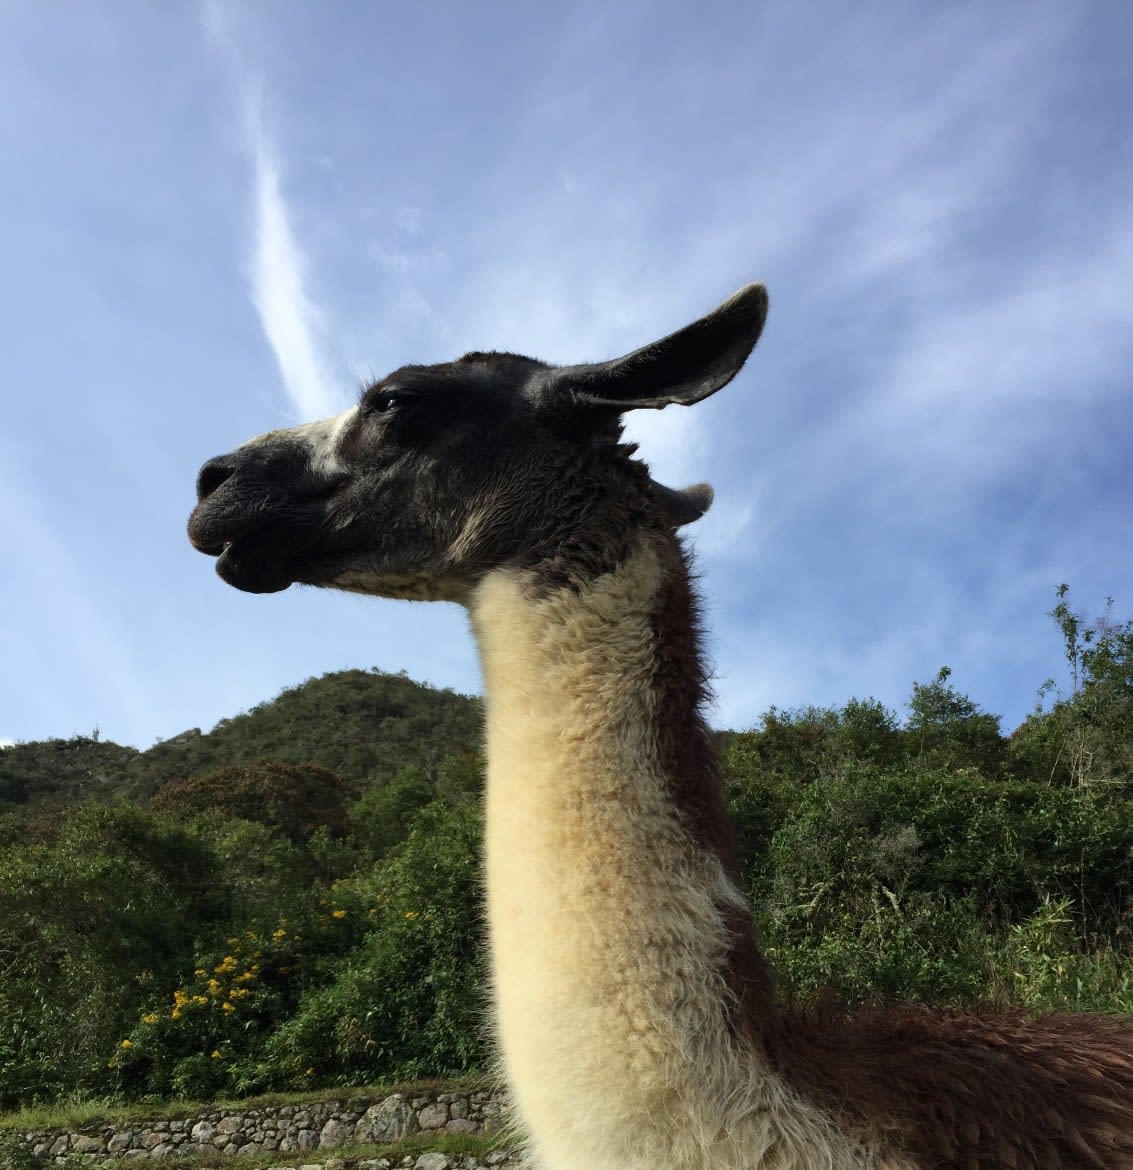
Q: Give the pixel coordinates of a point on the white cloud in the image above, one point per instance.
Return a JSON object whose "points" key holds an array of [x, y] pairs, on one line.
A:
{"points": [[287, 315], [278, 267]]}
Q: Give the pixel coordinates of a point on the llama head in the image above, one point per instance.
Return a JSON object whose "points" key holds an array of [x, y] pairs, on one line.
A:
{"points": [[442, 473]]}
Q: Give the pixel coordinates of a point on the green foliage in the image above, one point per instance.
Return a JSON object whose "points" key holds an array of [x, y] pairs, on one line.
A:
{"points": [[1040, 965], [293, 900], [383, 810], [406, 1003], [296, 799], [16, 1154], [63, 769], [205, 1040], [890, 883], [365, 726], [1087, 738], [88, 921], [950, 731]]}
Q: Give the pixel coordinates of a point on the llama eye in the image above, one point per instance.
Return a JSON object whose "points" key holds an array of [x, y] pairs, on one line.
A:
{"points": [[383, 403]]}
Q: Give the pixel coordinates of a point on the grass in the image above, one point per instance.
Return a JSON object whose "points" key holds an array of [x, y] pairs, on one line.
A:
{"points": [[79, 1114], [445, 1143], [76, 1114]]}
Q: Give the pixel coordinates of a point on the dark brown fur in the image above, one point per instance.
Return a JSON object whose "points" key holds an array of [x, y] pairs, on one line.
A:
{"points": [[945, 1089]]}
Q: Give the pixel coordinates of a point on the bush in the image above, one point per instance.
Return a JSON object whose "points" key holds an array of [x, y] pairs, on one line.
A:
{"points": [[407, 1003]]}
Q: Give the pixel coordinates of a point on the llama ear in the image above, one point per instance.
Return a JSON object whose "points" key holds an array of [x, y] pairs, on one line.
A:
{"points": [[685, 505], [683, 368]]}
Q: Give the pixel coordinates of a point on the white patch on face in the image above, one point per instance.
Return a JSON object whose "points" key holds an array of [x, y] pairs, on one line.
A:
{"points": [[322, 439]]}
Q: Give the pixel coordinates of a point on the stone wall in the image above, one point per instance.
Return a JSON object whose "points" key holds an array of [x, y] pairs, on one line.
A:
{"points": [[288, 1129]]}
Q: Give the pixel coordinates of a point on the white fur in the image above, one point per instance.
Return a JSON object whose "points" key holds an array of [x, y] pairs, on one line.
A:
{"points": [[320, 438], [607, 940]]}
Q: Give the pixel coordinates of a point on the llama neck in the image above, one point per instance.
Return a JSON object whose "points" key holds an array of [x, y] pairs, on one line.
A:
{"points": [[627, 987]]}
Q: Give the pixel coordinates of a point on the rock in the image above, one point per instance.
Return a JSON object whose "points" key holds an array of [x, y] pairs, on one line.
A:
{"points": [[433, 1162], [433, 1116], [460, 1125], [83, 1143], [203, 1132], [335, 1133], [308, 1139], [388, 1121]]}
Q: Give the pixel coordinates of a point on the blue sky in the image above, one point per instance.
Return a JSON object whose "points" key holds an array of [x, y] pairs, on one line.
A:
{"points": [[219, 218]]}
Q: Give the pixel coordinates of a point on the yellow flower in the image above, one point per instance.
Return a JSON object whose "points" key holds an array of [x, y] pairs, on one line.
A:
{"points": [[410, 915], [338, 914], [199, 971], [215, 1054], [200, 1000], [279, 933], [127, 1044], [228, 1007], [175, 1014], [214, 986], [150, 1018], [246, 977]]}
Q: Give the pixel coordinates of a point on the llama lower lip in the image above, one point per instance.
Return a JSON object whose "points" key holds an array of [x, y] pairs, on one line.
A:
{"points": [[240, 567]]}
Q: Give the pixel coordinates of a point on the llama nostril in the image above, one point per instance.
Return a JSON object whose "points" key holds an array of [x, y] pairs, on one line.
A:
{"points": [[213, 474]]}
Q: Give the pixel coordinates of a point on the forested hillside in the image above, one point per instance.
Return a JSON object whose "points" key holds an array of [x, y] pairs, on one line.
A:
{"points": [[292, 899], [364, 726]]}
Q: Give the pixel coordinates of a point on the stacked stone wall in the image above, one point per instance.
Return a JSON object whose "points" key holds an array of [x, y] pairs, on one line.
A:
{"points": [[290, 1129]]}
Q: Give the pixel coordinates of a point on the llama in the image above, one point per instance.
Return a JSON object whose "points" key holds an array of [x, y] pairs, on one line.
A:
{"points": [[636, 1019]]}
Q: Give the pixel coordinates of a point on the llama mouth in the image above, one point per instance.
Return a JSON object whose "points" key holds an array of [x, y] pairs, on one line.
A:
{"points": [[247, 565]]}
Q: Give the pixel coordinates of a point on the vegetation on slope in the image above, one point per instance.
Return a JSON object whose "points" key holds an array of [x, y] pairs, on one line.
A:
{"points": [[292, 900]]}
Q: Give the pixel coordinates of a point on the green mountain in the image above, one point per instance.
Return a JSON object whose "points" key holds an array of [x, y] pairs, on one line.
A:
{"points": [[366, 726]]}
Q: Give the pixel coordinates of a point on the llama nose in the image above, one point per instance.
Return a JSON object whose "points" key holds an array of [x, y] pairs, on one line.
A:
{"points": [[213, 474]]}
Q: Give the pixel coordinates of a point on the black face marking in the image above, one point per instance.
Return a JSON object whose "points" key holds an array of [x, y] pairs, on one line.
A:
{"points": [[445, 472]]}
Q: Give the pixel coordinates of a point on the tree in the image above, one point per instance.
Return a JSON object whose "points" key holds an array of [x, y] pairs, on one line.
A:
{"points": [[296, 799]]}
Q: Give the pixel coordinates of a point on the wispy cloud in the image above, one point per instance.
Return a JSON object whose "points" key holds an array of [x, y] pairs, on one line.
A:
{"points": [[277, 266], [289, 319]]}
